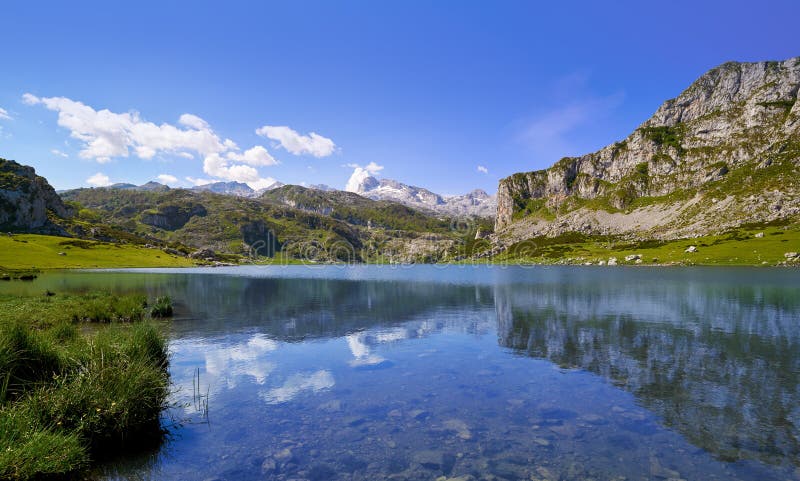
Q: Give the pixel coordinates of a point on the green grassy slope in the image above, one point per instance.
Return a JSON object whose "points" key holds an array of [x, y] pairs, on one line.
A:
{"points": [[31, 251]]}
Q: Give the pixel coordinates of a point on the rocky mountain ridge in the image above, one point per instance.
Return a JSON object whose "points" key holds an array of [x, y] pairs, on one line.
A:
{"points": [[725, 152], [472, 204], [237, 189], [476, 203]]}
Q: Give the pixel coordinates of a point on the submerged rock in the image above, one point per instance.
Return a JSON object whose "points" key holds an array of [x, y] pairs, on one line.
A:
{"points": [[460, 427], [419, 414], [429, 459], [269, 466]]}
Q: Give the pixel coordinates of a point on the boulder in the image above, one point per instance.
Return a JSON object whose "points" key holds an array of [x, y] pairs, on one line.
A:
{"points": [[204, 254]]}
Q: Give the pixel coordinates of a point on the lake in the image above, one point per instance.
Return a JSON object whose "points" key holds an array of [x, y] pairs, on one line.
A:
{"points": [[496, 373]]}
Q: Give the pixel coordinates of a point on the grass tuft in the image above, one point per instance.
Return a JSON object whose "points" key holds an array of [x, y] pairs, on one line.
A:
{"points": [[162, 307], [72, 394]]}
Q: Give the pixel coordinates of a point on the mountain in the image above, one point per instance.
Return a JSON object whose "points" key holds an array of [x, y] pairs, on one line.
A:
{"points": [[724, 153], [322, 187], [152, 185], [295, 221], [27, 201], [355, 209], [238, 189], [476, 203], [274, 185]]}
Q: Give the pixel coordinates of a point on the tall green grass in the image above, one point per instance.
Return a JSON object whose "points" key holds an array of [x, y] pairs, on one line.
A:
{"points": [[71, 394]]}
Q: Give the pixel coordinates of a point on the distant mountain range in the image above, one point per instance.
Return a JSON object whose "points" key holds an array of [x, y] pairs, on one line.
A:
{"points": [[150, 187], [476, 203], [238, 189]]}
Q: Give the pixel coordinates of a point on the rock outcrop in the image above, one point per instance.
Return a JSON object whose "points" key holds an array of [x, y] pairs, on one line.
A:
{"points": [[726, 151], [27, 201], [173, 217]]}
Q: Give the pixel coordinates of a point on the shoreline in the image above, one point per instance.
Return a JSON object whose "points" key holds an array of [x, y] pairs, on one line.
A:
{"points": [[23, 254]]}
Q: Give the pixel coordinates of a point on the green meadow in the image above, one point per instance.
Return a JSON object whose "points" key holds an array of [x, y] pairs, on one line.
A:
{"points": [[31, 251], [752, 245]]}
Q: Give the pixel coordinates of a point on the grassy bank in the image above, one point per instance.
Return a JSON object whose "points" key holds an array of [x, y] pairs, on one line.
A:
{"points": [[31, 251], [752, 245], [72, 390]]}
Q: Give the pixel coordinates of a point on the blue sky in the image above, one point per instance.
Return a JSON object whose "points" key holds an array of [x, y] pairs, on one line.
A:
{"points": [[424, 92]]}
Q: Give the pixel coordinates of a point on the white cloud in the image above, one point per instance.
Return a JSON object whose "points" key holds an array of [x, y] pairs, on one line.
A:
{"points": [[218, 166], [167, 179], [296, 384], [482, 169], [193, 121], [30, 99], [59, 153], [258, 155], [361, 173], [99, 180], [313, 143], [107, 134], [373, 168], [262, 183], [4, 115]]}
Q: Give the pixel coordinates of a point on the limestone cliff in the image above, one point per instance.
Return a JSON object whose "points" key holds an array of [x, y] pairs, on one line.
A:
{"points": [[726, 151], [27, 200]]}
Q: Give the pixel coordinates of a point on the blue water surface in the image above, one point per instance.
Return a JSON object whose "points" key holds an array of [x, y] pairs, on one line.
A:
{"points": [[495, 373]]}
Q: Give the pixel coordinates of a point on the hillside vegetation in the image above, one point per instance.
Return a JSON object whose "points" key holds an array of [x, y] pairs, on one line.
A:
{"points": [[291, 222]]}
